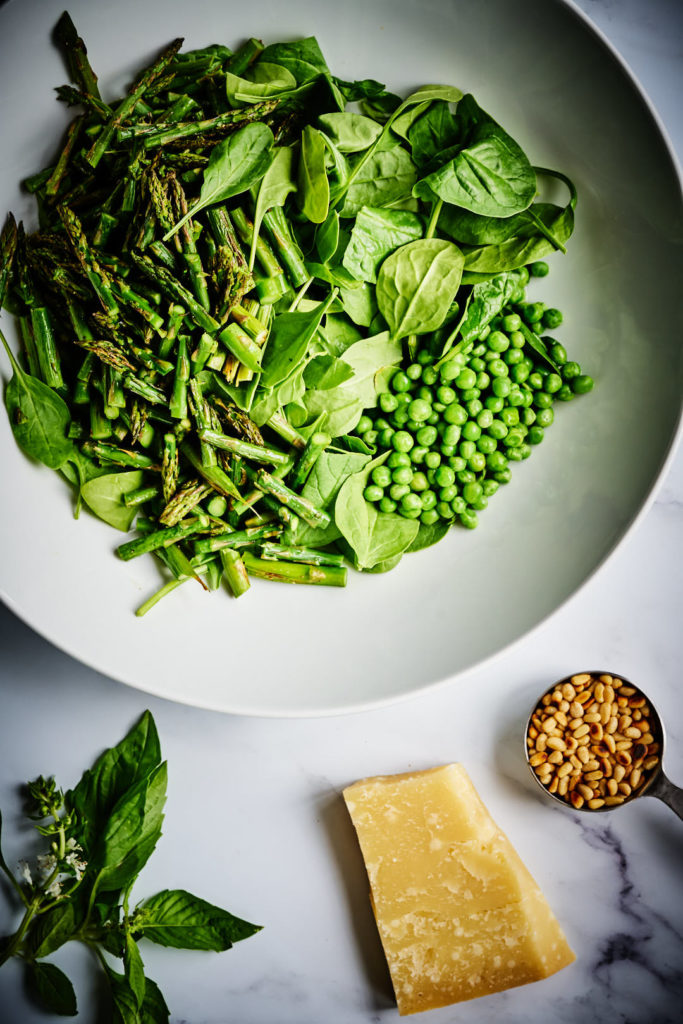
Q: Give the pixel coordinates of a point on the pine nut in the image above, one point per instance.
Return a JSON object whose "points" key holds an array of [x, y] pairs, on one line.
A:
{"points": [[574, 762], [564, 707], [635, 778], [536, 759], [568, 691], [549, 726], [647, 737], [581, 679], [609, 693], [612, 725], [593, 776], [651, 763], [595, 804], [583, 755], [563, 786], [541, 741], [606, 678], [591, 717], [613, 801], [623, 757], [576, 709], [609, 743], [612, 787], [633, 732], [564, 770], [584, 697], [552, 788], [556, 757], [585, 791], [555, 743], [618, 773], [576, 799], [596, 732], [625, 788], [582, 730], [605, 713], [599, 691]]}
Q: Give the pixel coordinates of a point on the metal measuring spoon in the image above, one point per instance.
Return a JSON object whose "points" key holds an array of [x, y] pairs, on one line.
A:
{"points": [[652, 781]]}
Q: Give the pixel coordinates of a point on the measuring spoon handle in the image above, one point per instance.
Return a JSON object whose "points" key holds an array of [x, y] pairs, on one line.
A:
{"points": [[665, 790]]}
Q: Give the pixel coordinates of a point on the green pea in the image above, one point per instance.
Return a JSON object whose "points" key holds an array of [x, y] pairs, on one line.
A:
{"points": [[388, 402], [498, 429], [466, 379], [450, 370], [484, 418], [582, 384], [480, 504], [478, 351], [523, 276], [398, 491], [469, 519], [387, 505], [512, 322], [430, 376], [444, 509], [410, 502], [364, 424], [447, 450], [499, 342], [455, 414], [424, 357], [510, 416], [428, 499], [470, 395], [217, 506], [496, 461], [429, 517], [503, 476], [513, 356], [397, 459], [570, 370], [418, 454], [533, 312], [542, 400], [565, 394], [419, 410], [535, 380], [494, 403], [414, 371], [477, 462], [467, 449], [483, 381], [434, 419], [466, 476], [419, 482], [444, 476], [517, 398], [457, 463], [558, 353], [381, 423], [528, 417], [520, 373], [382, 476], [517, 339], [370, 437], [426, 436], [474, 407], [539, 269], [445, 394], [384, 439], [402, 441], [514, 439], [545, 417], [515, 454], [400, 381], [471, 431], [535, 435], [484, 332], [373, 493], [552, 383], [459, 505], [410, 513], [489, 487], [477, 364], [432, 460], [402, 475], [487, 444], [404, 400], [497, 368], [552, 318], [448, 493], [400, 418]]}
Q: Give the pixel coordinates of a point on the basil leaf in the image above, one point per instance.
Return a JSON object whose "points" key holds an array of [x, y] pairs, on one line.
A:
{"points": [[134, 969], [115, 772], [313, 195], [154, 1009], [386, 176], [374, 235], [490, 174], [39, 418], [234, 165], [52, 929], [132, 832], [104, 496], [176, 918], [417, 284], [52, 988], [124, 1002]]}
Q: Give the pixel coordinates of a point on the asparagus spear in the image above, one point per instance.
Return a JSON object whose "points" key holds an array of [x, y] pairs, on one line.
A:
{"points": [[294, 572]]}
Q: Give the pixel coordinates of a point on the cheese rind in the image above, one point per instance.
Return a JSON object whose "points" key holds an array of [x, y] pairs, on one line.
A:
{"points": [[458, 913]]}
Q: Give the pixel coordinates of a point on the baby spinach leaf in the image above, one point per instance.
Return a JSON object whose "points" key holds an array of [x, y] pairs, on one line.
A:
{"points": [[490, 174], [350, 133], [276, 184], [362, 89], [303, 58], [373, 536], [132, 832], [374, 235], [113, 774], [338, 333], [178, 919], [485, 301], [402, 123], [39, 418], [290, 336], [429, 535], [417, 284], [526, 246], [266, 80], [360, 304], [234, 165], [327, 237], [537, 345], [326, 372], [313, 194], [321, 488], [52, 988], [388, 175], [336, 276], [433, 132], [391, 536], [104, 496]]}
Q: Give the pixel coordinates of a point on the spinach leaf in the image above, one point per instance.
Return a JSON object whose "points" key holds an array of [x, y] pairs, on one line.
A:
{"points": [[417, 284], [290, 336], [132, 832], [338, 333], [52, 988], [388, 175], [321, 488], [485, 301], [104, 496], [234, 165], [526, 246], [432, 132], [373, 536], [537, 345], [327, 237], [490, 174], [336, 276], [360, 304], [429, 535], [266, 80], [176, 918], [350, 133], [365, 88], [313, 194], [402, 123], [303, 58], [324, 372], [374, 235], [275, 186], [39, 418]]}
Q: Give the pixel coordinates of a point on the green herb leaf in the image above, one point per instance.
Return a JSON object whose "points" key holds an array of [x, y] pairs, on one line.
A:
{"points": [[290, 336], [176, 918], [303, 58], [134, 969], [52, 988], [417, 284], [375, 234], [132, 832], [313, 195], [104, 496], [350, 133], [385, 177], [154, 1009], [372, 536], [52, 929], [275, 186]]}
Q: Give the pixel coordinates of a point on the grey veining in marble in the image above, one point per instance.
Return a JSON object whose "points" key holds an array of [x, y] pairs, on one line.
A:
{"points": [[255, 819]]}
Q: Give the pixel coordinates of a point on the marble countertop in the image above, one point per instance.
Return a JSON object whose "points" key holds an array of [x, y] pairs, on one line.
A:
{"points": [[255, 820]]}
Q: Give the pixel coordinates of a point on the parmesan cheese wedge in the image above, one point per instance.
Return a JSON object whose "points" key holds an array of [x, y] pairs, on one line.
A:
{"points": [[458, 913]]}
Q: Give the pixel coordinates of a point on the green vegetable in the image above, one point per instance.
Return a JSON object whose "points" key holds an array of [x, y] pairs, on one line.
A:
{"points": [[417, 284], [313, 187], [101, 835]]}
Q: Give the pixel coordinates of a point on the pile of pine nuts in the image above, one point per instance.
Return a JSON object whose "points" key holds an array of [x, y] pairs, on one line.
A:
{"points": [[590, 741]]}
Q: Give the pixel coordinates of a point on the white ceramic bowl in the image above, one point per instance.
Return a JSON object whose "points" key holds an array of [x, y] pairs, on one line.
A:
{"points": [[548, 77]]}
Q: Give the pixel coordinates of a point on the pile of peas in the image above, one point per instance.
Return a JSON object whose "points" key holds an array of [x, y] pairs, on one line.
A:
{"points": [[454, 429]]}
